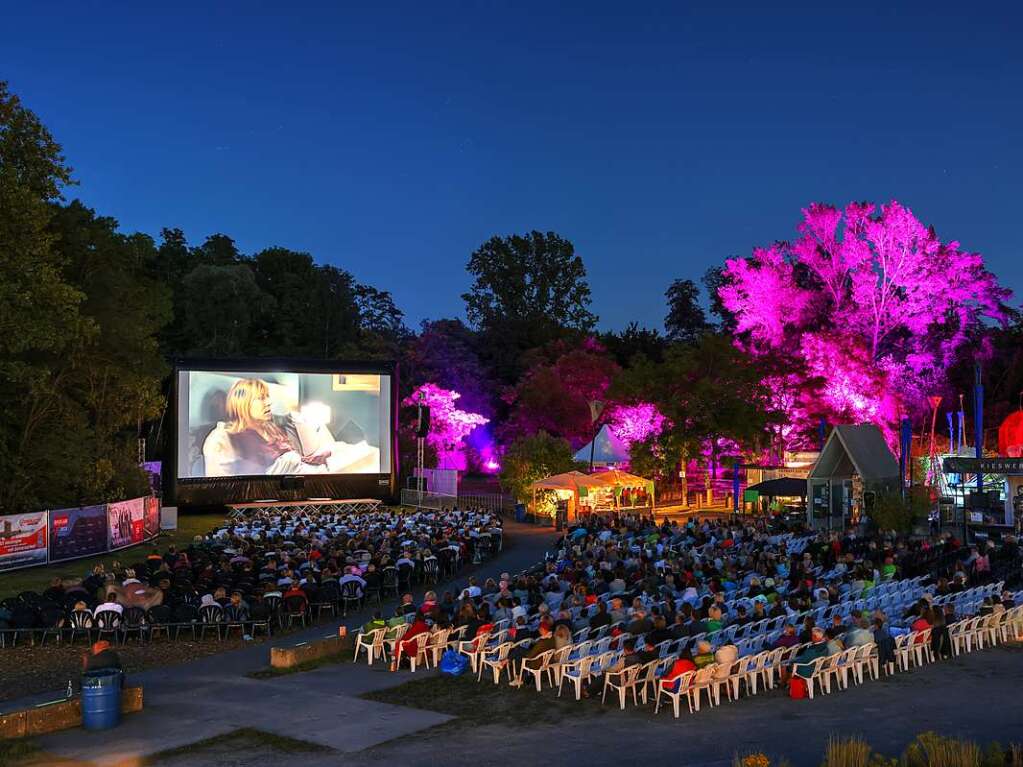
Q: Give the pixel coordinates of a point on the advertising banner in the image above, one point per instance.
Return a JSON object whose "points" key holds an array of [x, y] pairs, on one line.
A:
{"points": [[80, 532], [126, 523], [22, 540], [151, 525]]}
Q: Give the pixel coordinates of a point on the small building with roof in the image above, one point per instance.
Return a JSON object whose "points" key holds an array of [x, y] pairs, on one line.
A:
{"points": [[855, 466]]}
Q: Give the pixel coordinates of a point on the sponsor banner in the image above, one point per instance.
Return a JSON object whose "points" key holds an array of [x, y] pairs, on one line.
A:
{"points": [[22, 540], [126, 523], [80, 532], [151, 524]]}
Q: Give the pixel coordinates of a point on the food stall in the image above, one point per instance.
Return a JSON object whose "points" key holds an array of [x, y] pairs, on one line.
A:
{"points": [[579, 494]]}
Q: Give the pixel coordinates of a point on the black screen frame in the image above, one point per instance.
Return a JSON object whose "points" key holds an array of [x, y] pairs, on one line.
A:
{"points": [[219, 491]]}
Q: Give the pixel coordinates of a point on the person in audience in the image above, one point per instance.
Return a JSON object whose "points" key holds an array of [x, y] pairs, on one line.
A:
{"points": [[101, 656], [818, 648], [859, 635], [111, 603], [924, 621], [524, 657], [788, 637], [601, 618], [884, 641], [562, 636], [409, 642], [374, 623], [725, 656], [640, 623], [682, 664], [704, 654], [629, 657], [407, 606]]}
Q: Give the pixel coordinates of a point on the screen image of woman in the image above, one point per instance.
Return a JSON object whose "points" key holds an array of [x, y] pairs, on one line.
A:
{"points": [[249, 441]]}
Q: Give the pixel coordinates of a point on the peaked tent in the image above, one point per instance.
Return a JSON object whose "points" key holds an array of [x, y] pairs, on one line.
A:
{"points": [[854, 465], [607, 449]]}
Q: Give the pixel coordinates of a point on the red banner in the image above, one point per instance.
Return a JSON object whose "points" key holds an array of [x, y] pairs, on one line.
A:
{"points": [[152, 516], [22, 540]]}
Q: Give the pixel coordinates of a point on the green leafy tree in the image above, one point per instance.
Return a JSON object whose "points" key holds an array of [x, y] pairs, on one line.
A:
{"points": [[174, 260], [657, 456], [383, 334], [314, 311], [221, 305], [633, 341], [685, 321], [893, 513], [114, 377], [40, 316], [713, 280], [532, 458], [334, 311], [218, 250], [710, 395], [527, 291]]}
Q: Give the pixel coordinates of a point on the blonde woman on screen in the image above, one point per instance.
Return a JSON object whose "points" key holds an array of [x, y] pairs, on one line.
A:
{"points": [[249, 442]]}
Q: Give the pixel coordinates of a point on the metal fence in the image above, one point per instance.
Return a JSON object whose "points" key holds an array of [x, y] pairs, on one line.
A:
{"points": [[496, 503]]}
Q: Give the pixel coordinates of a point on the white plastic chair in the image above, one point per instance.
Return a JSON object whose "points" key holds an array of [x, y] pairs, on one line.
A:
{"points": [[373, 644]]}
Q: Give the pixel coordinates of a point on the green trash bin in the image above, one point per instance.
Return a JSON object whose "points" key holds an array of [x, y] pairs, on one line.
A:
{"points": [[101, 698]]}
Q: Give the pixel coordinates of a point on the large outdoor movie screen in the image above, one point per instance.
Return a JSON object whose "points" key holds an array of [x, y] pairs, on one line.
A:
{"points": [[239, 424]]}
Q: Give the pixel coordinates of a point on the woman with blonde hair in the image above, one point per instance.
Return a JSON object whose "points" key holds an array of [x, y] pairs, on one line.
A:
{"points": [[250, 442], [254, 435]]}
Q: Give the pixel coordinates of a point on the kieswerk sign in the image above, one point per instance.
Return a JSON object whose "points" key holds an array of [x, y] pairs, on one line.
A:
{"points": [[983, 465], [22, 540]]}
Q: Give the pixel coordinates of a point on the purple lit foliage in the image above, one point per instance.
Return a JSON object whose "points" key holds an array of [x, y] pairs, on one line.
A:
{"points": [[449, 425], [863, 314], [635, 423]]}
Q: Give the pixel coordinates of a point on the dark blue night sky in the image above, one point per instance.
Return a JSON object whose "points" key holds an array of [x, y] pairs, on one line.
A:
{"points": [[392, 139]]}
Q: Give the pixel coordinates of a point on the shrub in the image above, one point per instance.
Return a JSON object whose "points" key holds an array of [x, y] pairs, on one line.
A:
{"points": [[847, 752], [933, 750]]}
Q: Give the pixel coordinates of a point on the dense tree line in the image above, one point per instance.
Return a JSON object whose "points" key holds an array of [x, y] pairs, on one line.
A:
{"points": [[91, 319]]}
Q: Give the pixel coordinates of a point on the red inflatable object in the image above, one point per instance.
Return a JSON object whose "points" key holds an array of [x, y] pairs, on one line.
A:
{"points": [[1010, 436]]}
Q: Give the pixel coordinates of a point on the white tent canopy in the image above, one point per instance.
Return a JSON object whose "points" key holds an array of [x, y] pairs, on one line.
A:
{"points": [[607, 449]]}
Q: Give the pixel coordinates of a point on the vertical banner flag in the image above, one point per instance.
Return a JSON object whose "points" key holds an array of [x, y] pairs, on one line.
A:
{"points": [[152, 516]]}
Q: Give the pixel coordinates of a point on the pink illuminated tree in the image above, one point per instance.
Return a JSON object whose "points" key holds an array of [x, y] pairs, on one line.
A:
{"points": [[634, 423], [556, 393], [861, 317], [449, 425]]}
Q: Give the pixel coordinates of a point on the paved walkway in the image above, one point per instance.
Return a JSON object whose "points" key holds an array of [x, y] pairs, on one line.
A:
{"points": [[976, 697], [213, 696]]}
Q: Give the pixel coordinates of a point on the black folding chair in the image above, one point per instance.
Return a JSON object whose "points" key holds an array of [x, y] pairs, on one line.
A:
{"points": [[210, 616]]}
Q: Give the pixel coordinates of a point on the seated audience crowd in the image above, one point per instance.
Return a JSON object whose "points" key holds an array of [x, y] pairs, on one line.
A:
{"points": [[265, 568]]}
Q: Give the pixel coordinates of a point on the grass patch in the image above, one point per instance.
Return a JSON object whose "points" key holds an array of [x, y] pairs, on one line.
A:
{"points": [[233, 742], [38, 578], [345, 656], [480, 703]]}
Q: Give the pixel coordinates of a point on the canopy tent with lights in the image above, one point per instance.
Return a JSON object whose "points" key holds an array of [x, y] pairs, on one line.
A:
{"points": [[601, 493]]}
